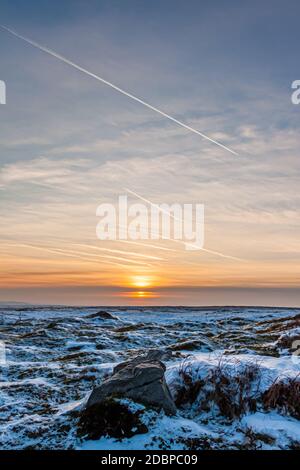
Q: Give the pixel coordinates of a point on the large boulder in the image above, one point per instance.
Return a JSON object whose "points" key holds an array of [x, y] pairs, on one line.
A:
{"points": [[141, 380]]}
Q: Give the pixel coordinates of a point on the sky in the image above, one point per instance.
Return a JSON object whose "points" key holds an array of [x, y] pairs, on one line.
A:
{"points": [[69, 143]]}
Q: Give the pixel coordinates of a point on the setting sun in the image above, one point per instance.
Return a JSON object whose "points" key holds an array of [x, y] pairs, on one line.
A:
{"points": [[141, 281], [140, 287]]}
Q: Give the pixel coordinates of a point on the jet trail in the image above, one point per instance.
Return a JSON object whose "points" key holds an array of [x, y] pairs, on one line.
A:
{"points": [[120, 90], [139, 255], [217, 253]]}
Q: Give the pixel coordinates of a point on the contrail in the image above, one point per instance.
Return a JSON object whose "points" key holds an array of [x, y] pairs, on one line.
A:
{"points": [[120, 90], [147, 245], [217, 253], [139, 255], [152, 204]]}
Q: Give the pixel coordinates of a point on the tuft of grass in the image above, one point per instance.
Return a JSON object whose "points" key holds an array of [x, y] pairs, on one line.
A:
{"points": [[190, 389], [284, 395], [234, 392]]}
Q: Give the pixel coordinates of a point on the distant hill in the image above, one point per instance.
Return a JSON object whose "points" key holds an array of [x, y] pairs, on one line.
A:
{"points": [[12, 303]]}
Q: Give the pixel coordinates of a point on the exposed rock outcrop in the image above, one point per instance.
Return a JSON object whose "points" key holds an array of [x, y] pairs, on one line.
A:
{"points": [[141, 380]]}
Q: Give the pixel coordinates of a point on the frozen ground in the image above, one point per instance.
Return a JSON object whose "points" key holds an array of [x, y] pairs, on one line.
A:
{"points": [[225, 360]]}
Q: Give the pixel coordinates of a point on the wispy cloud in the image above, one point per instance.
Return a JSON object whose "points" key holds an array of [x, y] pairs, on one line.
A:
{"points": [[68, 144]]}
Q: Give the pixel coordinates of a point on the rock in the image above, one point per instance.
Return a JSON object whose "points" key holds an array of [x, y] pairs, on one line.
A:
{"points": [[159, 355], [124, 329], [103, 315], [191, 345], [141, 380], [153, 355]]}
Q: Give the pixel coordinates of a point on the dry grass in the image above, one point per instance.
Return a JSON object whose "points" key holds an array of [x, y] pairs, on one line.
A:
{"points": [[234, 392], [190, 389], [284, 395]]}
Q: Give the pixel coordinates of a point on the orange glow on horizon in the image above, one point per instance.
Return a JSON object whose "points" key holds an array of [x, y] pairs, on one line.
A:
{"points": [[140, 295]]}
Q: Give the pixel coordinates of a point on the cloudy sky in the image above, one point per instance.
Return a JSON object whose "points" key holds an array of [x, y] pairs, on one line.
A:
{"points": [[69, 143]]}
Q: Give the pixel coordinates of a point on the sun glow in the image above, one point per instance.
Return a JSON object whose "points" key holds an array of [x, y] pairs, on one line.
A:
{"points": [[140, 287], [141, 281], [140, 295]]}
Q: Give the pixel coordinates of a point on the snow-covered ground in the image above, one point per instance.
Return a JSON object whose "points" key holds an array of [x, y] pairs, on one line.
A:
{"points": [[224, 362]]}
